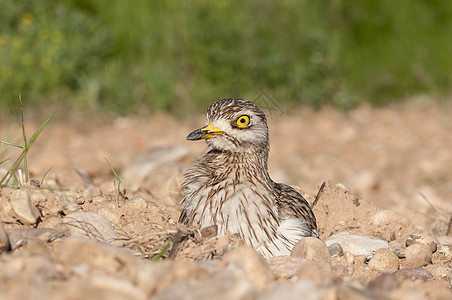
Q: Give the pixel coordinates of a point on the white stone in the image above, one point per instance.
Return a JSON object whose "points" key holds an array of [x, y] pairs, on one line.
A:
{"points": [[357, 244]]}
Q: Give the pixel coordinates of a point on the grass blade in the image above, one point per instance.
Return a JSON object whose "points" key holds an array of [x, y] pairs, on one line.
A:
{"points": [[160, 254], [11, 144], [118, 179]]}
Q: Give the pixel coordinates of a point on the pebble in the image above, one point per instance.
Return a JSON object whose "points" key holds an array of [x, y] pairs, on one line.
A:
{"points": [[443, 254], [419, 238], [335, 250], [285, 267], [51, 222], [4, 241], [23, 207], [396, 247], [357, 244], [92, 226], [254, 265], [384, 261], [417, 273], [292, 291], [136, 203], [111, 214], [441, 272], [416, 255], [209, 232], [68, 201], [391, 225], [313, 249]]}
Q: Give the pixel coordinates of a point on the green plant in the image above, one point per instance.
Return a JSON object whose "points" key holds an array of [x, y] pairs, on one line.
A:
{"points": [[27, 144]]}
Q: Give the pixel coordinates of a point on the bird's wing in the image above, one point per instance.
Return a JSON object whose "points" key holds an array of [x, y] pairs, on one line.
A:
{"points": [[292, 205]]}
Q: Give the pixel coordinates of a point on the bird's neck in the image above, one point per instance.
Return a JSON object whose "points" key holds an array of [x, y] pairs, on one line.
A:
{"points": [[227, 162]]}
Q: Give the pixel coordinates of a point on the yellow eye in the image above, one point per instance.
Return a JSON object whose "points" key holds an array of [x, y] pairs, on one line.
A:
{"points": [[243, 121]]}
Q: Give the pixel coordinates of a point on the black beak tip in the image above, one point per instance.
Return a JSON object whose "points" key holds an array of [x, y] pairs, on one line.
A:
{"points": [[195, 135]]}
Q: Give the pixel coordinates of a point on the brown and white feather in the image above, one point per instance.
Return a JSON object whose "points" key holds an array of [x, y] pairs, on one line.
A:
{"points": [[230, 186]]}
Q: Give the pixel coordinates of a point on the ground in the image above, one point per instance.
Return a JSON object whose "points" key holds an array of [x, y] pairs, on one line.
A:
{"points": [[388, 173]]}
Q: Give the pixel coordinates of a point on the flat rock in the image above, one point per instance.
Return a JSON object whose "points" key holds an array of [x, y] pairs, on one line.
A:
{"points": [[413, 274], [357, 244], [22, 236], [92, 226], [23, 207]]}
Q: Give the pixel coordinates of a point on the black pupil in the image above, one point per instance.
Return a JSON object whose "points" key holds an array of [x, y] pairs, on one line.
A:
{"points": [[242, 120]]}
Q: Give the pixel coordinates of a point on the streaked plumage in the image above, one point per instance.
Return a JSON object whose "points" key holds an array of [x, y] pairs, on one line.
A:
{"points": [[230, 186]]}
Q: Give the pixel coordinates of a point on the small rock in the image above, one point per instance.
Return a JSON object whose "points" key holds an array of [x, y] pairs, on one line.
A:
{"points": [[92, 226], [209, 232], [254, 265], [413, 274], [419, 238], [136, 202], [23, 207], [396, 247], [357, 244], [313, 249], [285, 267], [391, 225], [384, 261], [51, 222], [4, 242], [349, 257], [111, 214], [441, 272], [68, 201], [292, 291], [442, 255], [335, 250], [384, 283], [416, 255]]}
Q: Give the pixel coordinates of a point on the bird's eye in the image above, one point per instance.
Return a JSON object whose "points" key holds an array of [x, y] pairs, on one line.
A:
{"points": [[243, 121]]}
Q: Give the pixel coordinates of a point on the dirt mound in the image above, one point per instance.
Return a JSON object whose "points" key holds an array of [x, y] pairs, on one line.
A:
{"points": [[385, 230]]}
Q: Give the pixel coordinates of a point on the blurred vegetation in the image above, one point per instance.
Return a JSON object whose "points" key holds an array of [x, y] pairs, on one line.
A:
{"points": [[180, 56]]}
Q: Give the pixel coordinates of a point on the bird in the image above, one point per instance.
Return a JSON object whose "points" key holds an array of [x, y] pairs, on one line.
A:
{"points": [[230, 186]]}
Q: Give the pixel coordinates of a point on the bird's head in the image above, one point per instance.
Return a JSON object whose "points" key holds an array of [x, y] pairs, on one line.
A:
{"points": [[234, 125]]}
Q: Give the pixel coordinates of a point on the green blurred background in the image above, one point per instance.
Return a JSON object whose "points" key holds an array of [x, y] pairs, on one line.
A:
{"points": [[142, 56]]}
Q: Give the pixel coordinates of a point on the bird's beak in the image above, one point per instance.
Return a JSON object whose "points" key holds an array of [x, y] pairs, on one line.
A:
{"points": [[207, 132]]}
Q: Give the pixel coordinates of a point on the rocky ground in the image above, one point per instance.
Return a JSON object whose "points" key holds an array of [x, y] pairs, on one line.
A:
{"points": [[384, 216]]}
